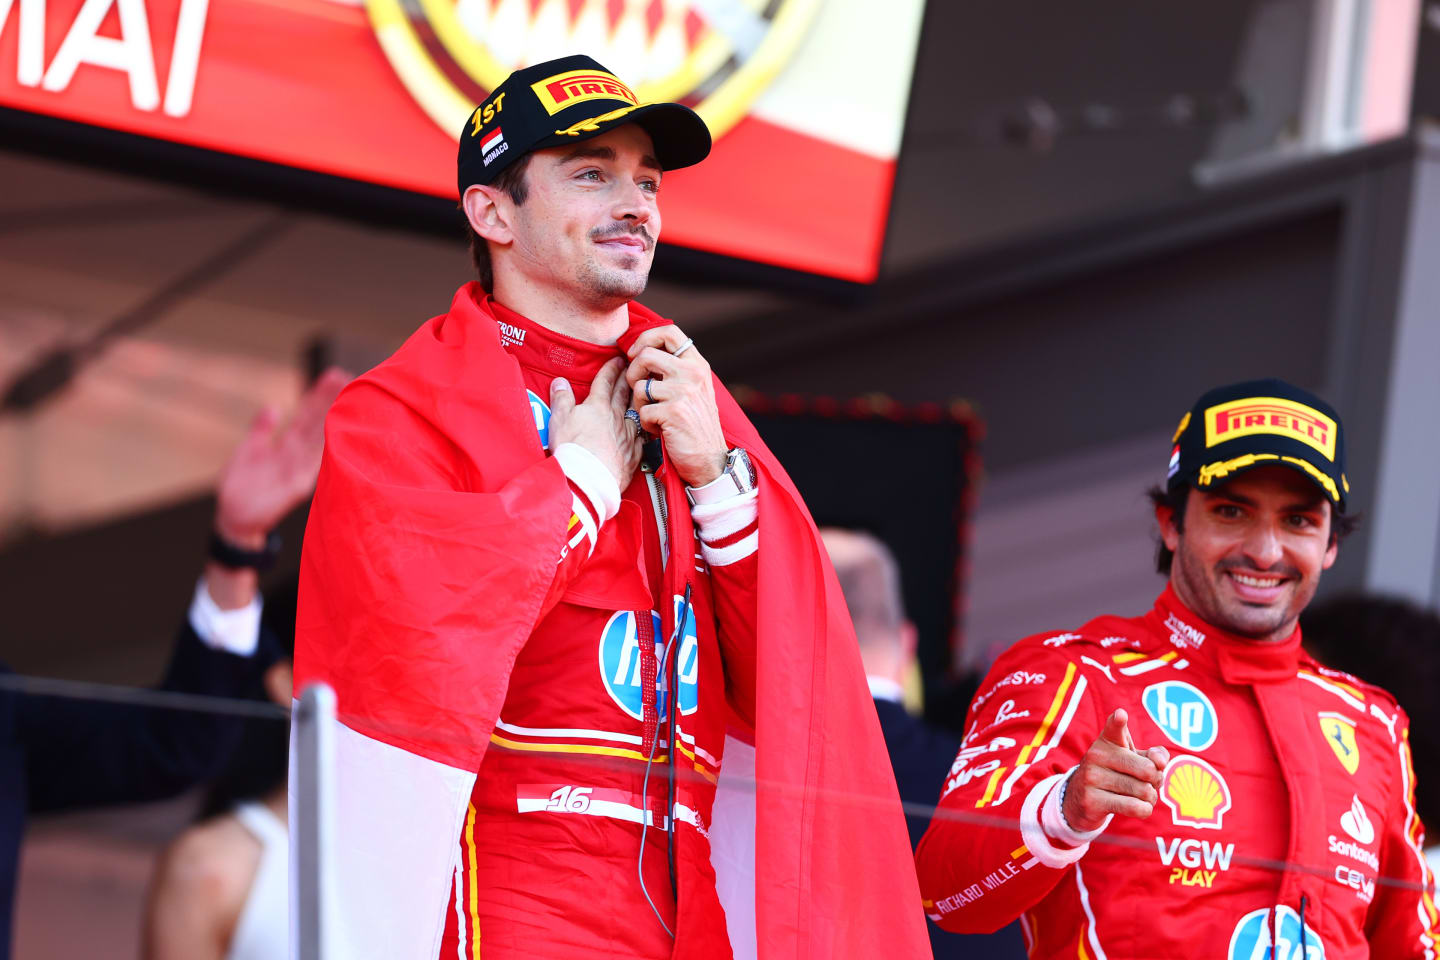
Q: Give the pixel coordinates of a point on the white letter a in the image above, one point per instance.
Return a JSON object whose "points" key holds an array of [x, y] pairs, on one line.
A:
{"points": [[131, 53]]}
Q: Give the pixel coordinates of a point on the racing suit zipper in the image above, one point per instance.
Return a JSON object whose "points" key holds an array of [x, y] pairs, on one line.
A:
{"points": [[662, 514]]}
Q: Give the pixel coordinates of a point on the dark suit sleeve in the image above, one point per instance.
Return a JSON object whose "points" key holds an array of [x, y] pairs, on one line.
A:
{"points": [[920, 755], [89, 753]]}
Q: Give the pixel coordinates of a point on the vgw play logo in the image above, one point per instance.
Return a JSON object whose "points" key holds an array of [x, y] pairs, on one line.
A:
{"points": [[1251, 939], [620, 664]]}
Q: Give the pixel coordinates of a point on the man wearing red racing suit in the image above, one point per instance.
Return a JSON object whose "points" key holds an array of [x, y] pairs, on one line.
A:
{"points": [[534, 579], [565, 770], [1269, 803]]}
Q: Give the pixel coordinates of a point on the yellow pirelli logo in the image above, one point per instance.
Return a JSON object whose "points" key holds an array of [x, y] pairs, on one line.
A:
{"points": [[577, 86], [1270, 415]]}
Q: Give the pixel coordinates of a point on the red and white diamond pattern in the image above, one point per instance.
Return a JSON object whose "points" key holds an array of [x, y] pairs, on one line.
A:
{"points": [[643, 40]]}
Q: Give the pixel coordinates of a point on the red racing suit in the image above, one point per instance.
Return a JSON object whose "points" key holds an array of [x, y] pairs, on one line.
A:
{"points": [[484, 607], [1286, 813], [551, 844]]}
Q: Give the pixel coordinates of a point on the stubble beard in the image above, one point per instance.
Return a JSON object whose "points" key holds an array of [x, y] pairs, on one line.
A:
{"points": [[1204, 592], [610, 286]]}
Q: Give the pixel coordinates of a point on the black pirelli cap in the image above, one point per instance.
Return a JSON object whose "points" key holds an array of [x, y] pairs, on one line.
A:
{"points": [[1255, 424], [565, 101]]}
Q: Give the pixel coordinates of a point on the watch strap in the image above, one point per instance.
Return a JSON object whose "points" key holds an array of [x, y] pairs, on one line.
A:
{"points": [[737, 478], [228, 555]]}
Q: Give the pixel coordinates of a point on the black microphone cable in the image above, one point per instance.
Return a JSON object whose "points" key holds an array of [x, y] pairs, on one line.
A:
{"points": [[674, 683]]}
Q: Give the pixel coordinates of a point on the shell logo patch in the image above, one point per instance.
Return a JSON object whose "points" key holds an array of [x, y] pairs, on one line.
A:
{"points": [[1195, 792], [1339, 731], [452, 54]]}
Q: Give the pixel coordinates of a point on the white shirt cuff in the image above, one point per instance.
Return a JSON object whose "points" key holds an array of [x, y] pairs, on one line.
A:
{"points": [[719, 490], [1040, 815], [723, 518], [230, 631], [883, 688], [729, 529], [585, 470]]}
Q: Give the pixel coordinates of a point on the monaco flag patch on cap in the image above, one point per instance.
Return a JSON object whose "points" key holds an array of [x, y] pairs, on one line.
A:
{"points": [[493, 145]]}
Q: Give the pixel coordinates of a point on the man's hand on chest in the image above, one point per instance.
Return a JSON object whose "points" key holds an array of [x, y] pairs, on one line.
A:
{"points": [[675, 395], [598, 424]]}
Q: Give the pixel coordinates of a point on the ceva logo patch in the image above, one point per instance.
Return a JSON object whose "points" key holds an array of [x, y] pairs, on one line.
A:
{"points": [[1251, 939], [541, 412], [620, 664], [1183, 713]]}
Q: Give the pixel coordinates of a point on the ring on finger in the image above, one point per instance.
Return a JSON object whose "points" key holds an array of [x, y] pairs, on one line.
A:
{"points": [[689, 342], [634, 418], [649, 397]]}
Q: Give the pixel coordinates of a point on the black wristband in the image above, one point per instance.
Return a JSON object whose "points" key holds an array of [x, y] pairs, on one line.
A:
{"points": [[228, 555]]}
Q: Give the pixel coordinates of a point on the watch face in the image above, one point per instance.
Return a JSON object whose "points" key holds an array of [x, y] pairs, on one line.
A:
{"points": [[739, 463]]}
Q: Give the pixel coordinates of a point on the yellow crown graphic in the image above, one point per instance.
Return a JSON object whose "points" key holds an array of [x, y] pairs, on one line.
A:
{"points": [[1195, 792]]}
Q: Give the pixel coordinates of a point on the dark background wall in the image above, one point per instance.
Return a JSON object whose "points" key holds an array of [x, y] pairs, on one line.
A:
{"points": [[1100, 357], [1028, 116]]}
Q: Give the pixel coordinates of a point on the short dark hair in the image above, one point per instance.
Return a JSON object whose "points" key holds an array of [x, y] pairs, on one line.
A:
{"points": [[511, 181], [1341, 524]]}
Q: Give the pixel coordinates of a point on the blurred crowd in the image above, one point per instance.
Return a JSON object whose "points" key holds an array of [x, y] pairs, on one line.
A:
{"points": [[220, 888]]}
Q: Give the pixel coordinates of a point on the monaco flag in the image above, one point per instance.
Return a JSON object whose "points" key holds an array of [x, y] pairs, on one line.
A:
{"points": [[488, 146], [406, 574]]}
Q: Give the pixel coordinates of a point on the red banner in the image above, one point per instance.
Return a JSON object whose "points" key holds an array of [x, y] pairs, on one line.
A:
{"points": [[307, 83]]}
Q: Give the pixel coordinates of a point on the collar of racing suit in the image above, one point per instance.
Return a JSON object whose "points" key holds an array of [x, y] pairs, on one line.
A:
{"points": [[557, 355], [1234, 658]]}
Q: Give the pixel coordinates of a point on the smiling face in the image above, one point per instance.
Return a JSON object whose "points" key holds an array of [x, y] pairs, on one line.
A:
{"points": [[590, 220], [1252, 550]]}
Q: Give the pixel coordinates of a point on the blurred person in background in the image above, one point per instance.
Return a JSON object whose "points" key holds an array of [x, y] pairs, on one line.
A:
{"points": [[1395, 644], [221, 889], [1168, 785], [920, 754], [59, 753]]}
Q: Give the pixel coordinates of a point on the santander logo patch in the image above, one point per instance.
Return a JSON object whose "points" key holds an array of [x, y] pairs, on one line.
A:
{"points": [[1356, 823]]}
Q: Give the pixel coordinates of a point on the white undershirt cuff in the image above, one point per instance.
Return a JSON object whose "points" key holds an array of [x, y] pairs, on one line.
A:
{"points": [[1040, 813], [231, 631], [723, 518], [585, 470], [883, 688]]}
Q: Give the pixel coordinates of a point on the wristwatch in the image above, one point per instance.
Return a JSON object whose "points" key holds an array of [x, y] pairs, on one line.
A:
{"points": [[228, 555], [738, 477]]}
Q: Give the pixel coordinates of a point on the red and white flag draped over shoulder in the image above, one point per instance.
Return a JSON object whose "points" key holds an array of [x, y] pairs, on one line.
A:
{"points": [[431, 543]]}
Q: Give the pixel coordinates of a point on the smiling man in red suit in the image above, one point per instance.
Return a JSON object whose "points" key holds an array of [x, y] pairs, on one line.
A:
{"points": [[571, 605]]}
